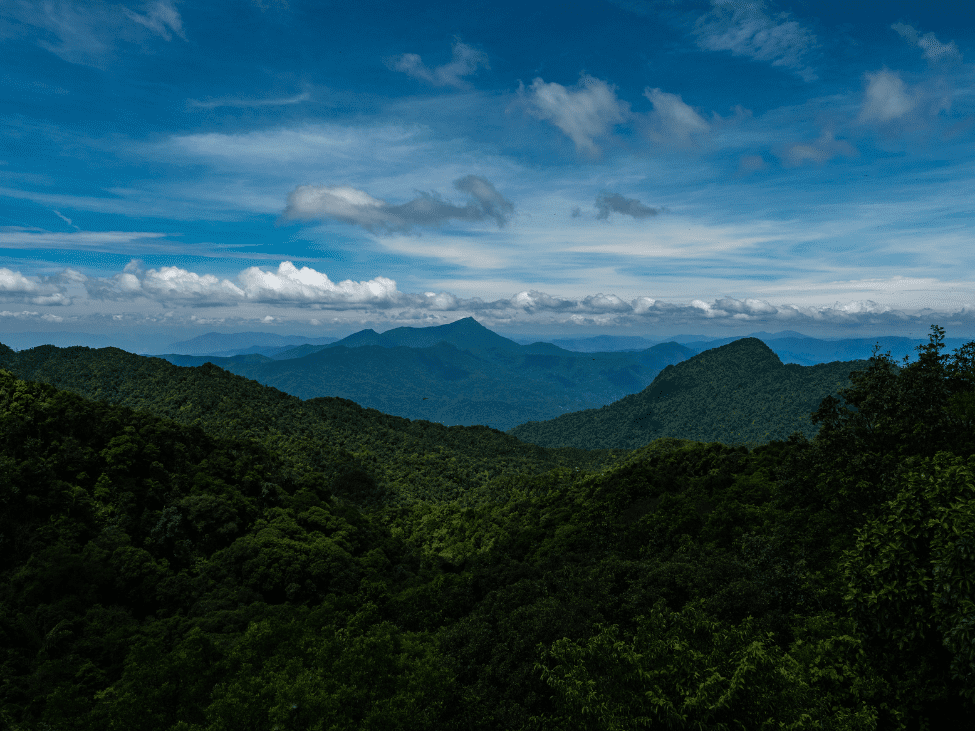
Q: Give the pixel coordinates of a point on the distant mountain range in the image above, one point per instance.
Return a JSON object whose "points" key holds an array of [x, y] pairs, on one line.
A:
{"points": [[229, 344], [465, 374], [789, 345], [456, 374]]}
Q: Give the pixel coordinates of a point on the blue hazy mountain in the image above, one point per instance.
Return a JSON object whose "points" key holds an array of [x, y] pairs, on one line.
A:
{"points": [[456, 374], [238, 343]]}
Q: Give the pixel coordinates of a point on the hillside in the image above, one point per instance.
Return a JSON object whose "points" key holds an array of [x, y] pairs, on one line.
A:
{"points": [[737, 393], [406, 460]]}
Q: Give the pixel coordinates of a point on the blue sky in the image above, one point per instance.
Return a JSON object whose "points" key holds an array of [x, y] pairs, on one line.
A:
{"points": [[560, 169]]}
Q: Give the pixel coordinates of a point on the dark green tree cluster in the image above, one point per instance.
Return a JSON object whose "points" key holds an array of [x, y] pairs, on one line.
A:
{"points": [[164, 575], [739, 393]]}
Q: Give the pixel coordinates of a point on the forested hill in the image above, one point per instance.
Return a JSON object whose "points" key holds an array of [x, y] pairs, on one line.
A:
{"points": [[738, 393], [396, 460]]}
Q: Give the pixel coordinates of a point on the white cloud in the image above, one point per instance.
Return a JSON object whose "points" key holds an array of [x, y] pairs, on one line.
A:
{"points": [[933, 49], [288, 285], [744, 28], [817, 151], [27, 315], [15, 287], [161, 18], [886, 97], [166, 284], [308, 286], [356, 207], [465, 62], [672, 121], [585, 112]]}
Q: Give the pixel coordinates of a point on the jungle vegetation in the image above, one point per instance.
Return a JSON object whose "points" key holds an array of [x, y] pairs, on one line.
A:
{"points": [[185, 550], [739, 393]]}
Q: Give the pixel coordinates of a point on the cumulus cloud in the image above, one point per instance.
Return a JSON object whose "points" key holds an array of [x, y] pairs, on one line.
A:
{"points": [[466, 61], [161, 18], [288, 285], [15, 287], [933, 49], [672, 121], [745, 29], [585, 112], [356, 207], [886, 97], [817, 151], [615, 203]]}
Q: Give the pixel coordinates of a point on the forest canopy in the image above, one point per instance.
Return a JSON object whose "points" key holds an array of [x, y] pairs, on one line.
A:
{"points": [[186, 550]]}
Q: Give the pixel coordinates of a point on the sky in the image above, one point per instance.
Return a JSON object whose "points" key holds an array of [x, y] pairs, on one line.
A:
{"points": [[631, 167]]}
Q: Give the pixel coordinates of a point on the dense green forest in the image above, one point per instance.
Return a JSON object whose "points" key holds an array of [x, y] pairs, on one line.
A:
{"points": [[739, 393], [182, 549]]}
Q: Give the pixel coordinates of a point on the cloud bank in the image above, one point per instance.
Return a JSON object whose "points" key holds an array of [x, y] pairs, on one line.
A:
{"points": [[356, 207], [305, 288]]}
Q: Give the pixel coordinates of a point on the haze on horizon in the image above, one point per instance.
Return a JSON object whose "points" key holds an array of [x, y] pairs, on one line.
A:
{"points": [[628, 168]]}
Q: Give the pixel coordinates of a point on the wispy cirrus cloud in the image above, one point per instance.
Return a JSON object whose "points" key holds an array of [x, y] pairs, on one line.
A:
{"points": [[350, 205], [744, 28], [466, 61], [161, 17], [233, 102], [933, 49], [85, 33]]}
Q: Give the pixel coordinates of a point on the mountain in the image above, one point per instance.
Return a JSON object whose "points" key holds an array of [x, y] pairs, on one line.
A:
{"points": [[466, 334], [736, 393], [470, 376], [212, 343]]}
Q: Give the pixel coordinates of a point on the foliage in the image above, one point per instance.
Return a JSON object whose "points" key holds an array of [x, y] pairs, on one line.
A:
{"points": [[739, 393]]}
